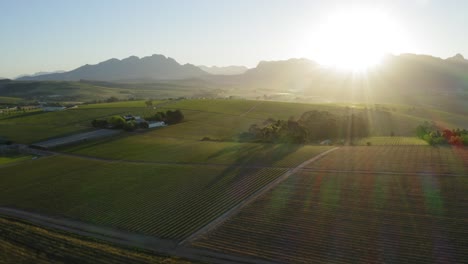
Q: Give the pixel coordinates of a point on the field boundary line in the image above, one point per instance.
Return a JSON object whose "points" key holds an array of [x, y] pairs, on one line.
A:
{"points": [[89, 230], [415, 173], [251, 109], [234, 210], [130, 240]]}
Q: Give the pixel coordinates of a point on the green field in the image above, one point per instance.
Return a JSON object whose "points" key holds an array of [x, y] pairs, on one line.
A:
{"points": [[12, 159], [21, 242], [167, 201], [169, 183], [397, 159], [154, 148], [391, 141], [358, 205], [10, 100], [216, 119], [121, 104], [36, 126]]}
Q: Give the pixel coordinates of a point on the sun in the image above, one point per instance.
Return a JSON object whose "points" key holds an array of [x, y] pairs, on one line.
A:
{"points": [[357, 39]]}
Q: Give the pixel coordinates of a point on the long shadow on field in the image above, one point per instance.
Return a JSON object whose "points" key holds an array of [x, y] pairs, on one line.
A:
{"points": [[261, 155], [23, 115]]}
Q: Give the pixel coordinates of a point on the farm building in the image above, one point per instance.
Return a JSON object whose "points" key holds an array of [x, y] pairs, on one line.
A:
{"points": [[53, 108], [156, 124]]}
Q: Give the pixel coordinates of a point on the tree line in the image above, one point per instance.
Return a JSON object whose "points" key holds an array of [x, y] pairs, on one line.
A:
{"points": [[309, 128], [430, 133], [118, 122]]}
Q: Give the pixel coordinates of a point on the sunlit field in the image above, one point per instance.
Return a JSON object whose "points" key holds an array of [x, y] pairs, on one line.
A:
{"points": [[351, 217], [255, 132]]}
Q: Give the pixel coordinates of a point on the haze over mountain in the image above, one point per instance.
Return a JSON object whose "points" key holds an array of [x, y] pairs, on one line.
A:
{"points": [[38, 74], [155, 67], [406, 78], [228, 70]]}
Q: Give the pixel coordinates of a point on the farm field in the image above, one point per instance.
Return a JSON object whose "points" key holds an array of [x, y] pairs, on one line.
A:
{"points": [[120, 104], [168, 202], [22, 242], [152, 147], [10, 100], [391, 141], [325, 217], [37, 126], [216, 119], [11, 159], [397, 159]]}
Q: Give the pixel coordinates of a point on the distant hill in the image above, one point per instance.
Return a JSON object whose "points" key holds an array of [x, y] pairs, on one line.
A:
{"points": [[155, 67], [228, 70], [38, 74], [410, 79]]}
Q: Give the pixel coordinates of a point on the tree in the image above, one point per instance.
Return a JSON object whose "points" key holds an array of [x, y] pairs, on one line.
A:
{"points": [[112, 99], [149, 103], [174, 117], [117, 122]]}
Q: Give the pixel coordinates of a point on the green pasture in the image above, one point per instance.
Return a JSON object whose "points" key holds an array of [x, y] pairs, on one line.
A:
{"points": [[12, 159]]}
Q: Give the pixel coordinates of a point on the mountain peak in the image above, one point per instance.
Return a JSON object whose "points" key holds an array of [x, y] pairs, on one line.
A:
{"points": [[457, 57], [154, 67]]}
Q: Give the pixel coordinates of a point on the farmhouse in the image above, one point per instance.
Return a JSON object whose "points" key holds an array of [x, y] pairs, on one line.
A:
{"points": [[52, 108], [156, 124]]}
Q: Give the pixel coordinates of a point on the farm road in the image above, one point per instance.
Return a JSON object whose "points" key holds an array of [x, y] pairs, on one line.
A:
{"points": [[213, 224], [159, 246], [251, 109]]}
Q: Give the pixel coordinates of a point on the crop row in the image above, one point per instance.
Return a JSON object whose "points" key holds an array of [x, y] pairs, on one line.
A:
{"points": [[165, 201], [342, 218], [23, 243], [407, 159]]}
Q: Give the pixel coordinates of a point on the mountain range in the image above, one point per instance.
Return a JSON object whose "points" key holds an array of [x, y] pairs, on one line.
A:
{"points": [[155, 67], [407, 78], [229, 70], [37, 74]]}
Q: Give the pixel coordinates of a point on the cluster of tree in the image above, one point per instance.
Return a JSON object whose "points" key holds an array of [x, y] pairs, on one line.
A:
{"points": [[169, 117], [435, 136], [310, 127], [118, 122]]}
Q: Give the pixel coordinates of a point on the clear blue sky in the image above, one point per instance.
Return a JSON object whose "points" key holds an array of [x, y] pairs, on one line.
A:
{"points": [[47, 35]]}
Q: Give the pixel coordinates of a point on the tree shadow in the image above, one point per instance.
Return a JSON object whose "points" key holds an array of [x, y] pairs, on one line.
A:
{"points": [[251, 160], [22, 115]]}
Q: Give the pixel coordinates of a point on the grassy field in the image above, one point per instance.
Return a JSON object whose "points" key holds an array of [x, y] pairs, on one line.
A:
{"points": [[10, 100], [122, 104], [331, 217], [36, 126], [151, 147], [167, 201], [21, 242], [217, 119], [12, 159], [395, 200]]}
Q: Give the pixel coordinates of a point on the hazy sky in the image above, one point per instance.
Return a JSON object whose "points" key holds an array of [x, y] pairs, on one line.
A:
{"points": [[46, 35]]}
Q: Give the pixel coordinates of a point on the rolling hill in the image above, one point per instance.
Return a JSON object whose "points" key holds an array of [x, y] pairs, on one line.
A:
{"points": [[228, 70], [155, 67]]}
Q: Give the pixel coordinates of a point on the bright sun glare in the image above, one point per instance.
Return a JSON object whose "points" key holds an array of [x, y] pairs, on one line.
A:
{"points": [[357, 39]]}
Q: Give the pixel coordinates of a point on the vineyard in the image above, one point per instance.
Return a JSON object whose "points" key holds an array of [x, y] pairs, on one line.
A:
{"points": [[55, 124], [24, 243], [351, 218], [169, 202], [400, 159], [152, 147]]}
